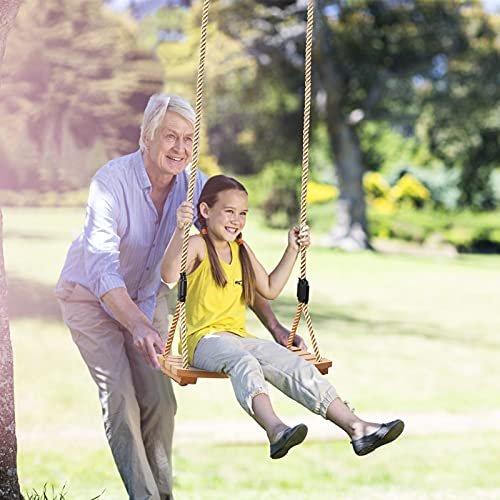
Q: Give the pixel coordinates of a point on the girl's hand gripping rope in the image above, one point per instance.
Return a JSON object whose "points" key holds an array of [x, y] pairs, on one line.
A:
{"points": [[299, 238], [184, 215]]}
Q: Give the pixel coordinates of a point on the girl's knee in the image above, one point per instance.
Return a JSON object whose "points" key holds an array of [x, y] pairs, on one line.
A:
{"points": [[246, 366]]}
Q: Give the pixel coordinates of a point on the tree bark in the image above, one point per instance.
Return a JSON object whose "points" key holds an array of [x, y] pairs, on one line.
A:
{"points": [[351, 229], [9, 483], [8, 12]]}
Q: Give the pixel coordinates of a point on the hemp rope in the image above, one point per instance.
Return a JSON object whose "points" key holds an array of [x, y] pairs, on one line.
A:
{"points": [[303, 307], [180, 308]]}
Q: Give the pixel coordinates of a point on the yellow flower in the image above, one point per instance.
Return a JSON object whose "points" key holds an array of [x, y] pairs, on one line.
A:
{"points": [[320, 193]]}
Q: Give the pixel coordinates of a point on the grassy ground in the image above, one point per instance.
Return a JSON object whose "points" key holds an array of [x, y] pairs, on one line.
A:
{"points": [[405, 333]]}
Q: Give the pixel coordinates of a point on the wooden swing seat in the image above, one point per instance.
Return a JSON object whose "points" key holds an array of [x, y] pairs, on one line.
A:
{"points": [[172, 366]]}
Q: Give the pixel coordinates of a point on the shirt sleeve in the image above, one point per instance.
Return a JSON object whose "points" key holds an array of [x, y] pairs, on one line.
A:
{"points": [[101, 240]]}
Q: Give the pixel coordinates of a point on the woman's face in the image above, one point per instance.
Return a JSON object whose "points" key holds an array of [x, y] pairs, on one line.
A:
{"points": [[227, 217], [170, 150]]}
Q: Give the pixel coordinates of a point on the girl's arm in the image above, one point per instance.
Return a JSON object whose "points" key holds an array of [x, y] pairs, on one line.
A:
{"points": [[270, 285], [171, 264]]}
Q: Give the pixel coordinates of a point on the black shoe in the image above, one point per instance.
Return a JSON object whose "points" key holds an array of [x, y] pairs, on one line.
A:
{"points": [[290, 438], [385, 434]]}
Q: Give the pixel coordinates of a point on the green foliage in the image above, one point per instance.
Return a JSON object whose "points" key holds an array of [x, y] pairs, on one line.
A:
{"points": [[375, 58], [385, 149], [51, 495], [47, 495], [466, 231], [460, 100], [282, 203], [73, 93]]}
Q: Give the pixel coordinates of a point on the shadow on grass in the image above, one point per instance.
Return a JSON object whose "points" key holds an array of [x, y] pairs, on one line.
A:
{"points": [[325, 317], [30, 299]]}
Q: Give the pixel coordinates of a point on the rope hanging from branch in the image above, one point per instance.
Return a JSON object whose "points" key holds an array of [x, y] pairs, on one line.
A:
{"points": [[180, 308], [303, 285]]}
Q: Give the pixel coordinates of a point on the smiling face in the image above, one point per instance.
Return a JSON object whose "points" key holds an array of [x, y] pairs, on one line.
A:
{"points": [[226, 218], [169, 152]]}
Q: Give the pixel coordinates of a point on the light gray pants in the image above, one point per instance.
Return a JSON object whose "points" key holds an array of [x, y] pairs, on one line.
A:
{"points": [[138, 403], [249, 362]]}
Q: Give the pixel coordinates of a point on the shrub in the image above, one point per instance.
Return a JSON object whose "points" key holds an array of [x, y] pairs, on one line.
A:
{"points": [[410, 190], [375, 185], [466, 231], [320, 193]]}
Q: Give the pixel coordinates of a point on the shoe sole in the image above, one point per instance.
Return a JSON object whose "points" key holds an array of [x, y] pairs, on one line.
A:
{"points": [[294, 438], [393, 433]]}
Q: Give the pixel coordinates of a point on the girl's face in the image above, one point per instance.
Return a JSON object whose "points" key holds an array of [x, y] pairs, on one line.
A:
{"points": [[227, 217]]}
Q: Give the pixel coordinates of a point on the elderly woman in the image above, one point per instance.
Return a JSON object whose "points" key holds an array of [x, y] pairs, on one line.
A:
{"points": [[112, 301]]}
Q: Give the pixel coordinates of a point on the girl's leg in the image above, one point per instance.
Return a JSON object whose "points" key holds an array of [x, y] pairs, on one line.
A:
{"points": [[292, 375], [223, 353], [340, 414], [263, 414], [301, 381]]}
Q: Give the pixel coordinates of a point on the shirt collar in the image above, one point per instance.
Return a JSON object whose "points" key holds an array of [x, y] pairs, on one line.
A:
{"points": [[140, 171]]}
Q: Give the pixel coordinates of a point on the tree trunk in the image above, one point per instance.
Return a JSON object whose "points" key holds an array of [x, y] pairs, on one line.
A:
{"points": [[351, 230], [9, 483], [8, 12]]}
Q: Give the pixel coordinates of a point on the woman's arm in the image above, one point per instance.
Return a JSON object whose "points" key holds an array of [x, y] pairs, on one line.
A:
{"points": [[270, 285]]}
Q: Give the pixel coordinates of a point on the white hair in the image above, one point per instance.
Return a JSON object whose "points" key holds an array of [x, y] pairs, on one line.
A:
{"points": [[155, 111]]}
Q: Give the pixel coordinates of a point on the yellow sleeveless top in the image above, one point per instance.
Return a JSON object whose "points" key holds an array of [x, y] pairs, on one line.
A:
{"points": [[211, 308]]}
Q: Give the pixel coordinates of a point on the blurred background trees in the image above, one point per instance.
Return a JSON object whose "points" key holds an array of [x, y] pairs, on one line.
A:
{"points": [[407, 89], [75, 86], [399, 63]]}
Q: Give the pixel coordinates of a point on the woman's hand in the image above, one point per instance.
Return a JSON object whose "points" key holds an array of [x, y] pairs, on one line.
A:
{"points": [[299, 238], [184, 215]]}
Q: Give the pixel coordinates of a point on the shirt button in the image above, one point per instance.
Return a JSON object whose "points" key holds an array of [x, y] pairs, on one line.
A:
{"points": [[147, 268], [153, 245]]}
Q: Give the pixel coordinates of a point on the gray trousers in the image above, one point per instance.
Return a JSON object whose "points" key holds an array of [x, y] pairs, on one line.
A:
{"points": [[250, 362], [138, 402]]}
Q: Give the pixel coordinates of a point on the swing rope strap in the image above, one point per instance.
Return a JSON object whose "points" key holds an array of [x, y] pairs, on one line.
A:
{"points": [[303, 286], [180, 308]]}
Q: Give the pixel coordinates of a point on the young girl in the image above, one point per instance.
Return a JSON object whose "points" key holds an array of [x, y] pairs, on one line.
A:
{"points": [[223, 276]]}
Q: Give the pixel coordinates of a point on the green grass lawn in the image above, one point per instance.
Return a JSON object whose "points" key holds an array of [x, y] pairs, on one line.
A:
{"points": [[409, 334]]}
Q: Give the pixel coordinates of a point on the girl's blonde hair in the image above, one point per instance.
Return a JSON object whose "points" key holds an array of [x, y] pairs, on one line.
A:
{"points": [[210, 195]]}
